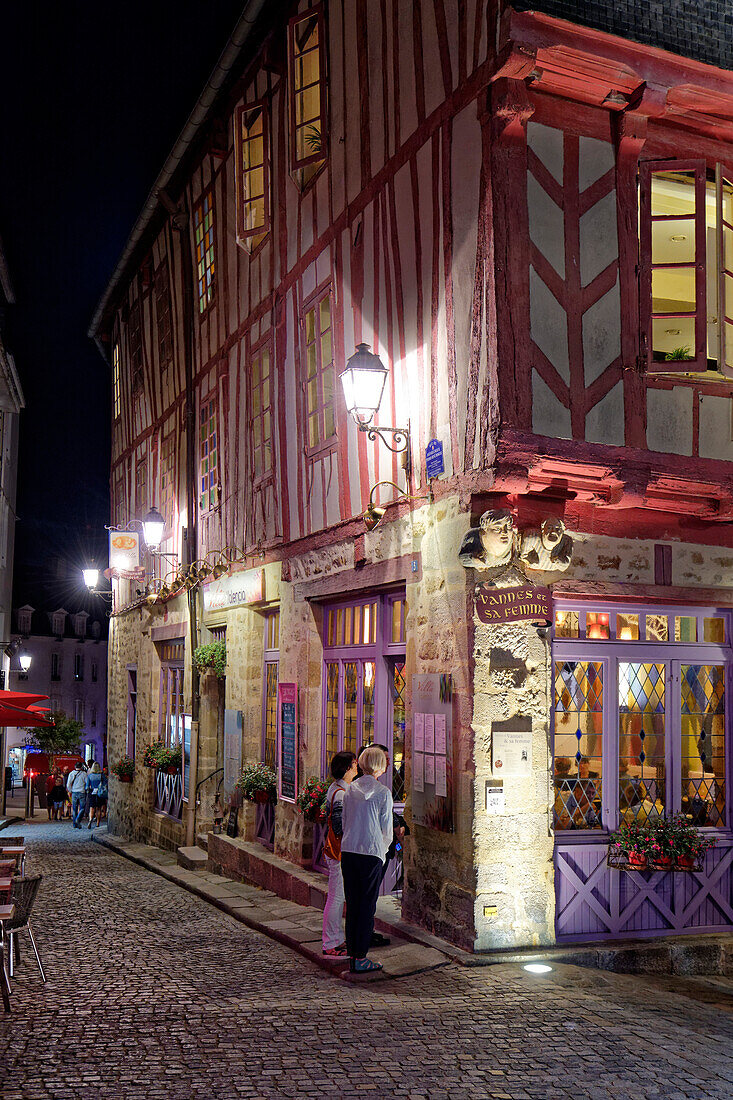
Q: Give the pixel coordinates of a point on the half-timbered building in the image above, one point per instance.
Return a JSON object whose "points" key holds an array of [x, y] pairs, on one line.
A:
{"points": [[530, 221]]}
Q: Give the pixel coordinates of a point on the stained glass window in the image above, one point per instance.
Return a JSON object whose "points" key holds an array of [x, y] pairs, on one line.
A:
{"points": [[203, 231], [566, 624], [398, 685], [703, 743], [578, 744], [642, 717]]}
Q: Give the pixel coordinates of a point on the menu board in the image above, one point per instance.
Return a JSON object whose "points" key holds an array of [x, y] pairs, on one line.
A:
{"points": [[287, 741], [432, 751]]}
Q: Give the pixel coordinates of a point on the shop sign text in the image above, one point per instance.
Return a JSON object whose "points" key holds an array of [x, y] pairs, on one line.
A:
{"points": [[510, 605]]}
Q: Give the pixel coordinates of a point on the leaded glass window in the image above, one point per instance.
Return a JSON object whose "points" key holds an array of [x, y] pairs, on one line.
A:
{"points": [[578, 744], [703, 743], [642, 764]]}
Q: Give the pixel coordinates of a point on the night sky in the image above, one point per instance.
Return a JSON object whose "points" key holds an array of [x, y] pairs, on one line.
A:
{"points": [[93, 97]]}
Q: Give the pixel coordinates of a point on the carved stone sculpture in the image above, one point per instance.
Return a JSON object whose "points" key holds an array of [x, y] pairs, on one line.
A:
{"points": [[492, 544], [548, 550]]}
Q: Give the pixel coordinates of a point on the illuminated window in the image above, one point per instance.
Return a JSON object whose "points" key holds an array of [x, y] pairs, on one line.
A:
{"points": [[319, 373], [116, 382], [163, 315], [168, 478], [269, 700], [203, 231], [261, 412], [686, 249], [254, 176], [308, 136], [208, 457]]}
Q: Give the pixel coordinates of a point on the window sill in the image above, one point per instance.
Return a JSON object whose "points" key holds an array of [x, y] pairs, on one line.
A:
{"points": [[322, 450]]}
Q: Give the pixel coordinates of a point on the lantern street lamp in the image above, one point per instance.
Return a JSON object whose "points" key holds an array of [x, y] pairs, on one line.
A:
{"points": [[363, 383], [25, 660], [153, 528], [91, 579]]}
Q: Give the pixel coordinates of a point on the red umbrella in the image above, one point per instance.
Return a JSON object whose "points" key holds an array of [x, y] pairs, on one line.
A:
{"points": [[19, 698], [17, 716]]}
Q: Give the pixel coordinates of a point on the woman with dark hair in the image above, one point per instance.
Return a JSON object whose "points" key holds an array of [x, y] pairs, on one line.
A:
{"points": [[343, 770]]}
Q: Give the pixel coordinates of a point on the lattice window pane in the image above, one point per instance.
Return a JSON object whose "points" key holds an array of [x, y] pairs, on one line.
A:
{"points": [[332, 708], [270, 738], [703, 743], [351, 706], [398, 731], [578, 748], [566, 624], [642, 728]]}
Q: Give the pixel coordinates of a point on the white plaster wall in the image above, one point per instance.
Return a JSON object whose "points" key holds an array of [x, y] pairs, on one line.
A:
{"points": [[549, 416], [669, 420], [715, 428]]}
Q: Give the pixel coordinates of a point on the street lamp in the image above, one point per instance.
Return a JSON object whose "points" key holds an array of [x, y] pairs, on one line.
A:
{"points": [[363, 383], [91, 579], [25, 660], [153, 528]]}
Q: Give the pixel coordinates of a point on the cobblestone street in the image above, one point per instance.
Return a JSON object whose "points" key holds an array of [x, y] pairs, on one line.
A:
{"points": [[153, 993]]}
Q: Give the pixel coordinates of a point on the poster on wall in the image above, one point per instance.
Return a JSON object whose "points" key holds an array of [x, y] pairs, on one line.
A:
{"points": [[232, 748], [512, 753], [432, 760], [287, 741]]}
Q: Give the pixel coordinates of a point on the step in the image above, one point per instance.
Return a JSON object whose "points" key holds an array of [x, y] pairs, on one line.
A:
{"points": [[202, 839], [192, 858]]}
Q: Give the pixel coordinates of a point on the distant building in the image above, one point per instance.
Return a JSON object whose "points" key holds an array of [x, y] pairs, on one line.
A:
{"points": [[11, 403], [68, 652]]}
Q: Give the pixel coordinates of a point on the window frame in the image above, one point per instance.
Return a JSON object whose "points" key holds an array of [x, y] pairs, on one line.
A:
{"points": [[701, 170], [167, 470], [205, 301], [135, 345], [267, 472], [270, 660], [326, 444], [163, 314], [131, 726], [610, 652], [251, 239], [211, 400], [296, 163], [116, 382], [141, 486], [78, 667]]}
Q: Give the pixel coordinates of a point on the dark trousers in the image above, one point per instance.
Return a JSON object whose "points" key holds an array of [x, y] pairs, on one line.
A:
{"points": [[362, 879]]}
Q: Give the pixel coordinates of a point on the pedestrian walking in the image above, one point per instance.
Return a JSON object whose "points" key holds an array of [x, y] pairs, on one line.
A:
{"points": [[95, 783], [343, 770], [367, 824], [76, 785]]}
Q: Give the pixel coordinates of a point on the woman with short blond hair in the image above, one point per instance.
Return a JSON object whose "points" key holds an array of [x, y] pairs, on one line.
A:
{"points": [[367, 825]]}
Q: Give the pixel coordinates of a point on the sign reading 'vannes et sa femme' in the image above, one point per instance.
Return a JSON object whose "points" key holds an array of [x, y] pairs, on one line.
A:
{"points": [[512, 605]]}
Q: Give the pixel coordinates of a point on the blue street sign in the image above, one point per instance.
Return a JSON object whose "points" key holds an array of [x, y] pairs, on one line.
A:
{"points": [[434, 458]]}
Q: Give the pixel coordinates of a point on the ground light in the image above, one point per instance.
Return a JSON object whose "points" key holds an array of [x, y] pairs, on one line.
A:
{"points": [[537, 968]]}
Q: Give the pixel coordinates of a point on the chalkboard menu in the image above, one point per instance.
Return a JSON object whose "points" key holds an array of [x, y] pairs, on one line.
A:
{"points": [[287, 741]]}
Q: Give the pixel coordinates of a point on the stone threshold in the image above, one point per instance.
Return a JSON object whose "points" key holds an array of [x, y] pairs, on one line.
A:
{"points": [[295, 925]]}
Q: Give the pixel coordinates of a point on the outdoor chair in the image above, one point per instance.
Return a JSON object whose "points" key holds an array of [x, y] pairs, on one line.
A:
{"points": [[23, 896]]}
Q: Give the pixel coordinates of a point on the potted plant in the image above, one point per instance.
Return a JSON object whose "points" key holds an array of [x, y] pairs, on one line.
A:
{"points": [[311, 802], [124, 769], [213, 657], [633, 841], [170, 760], [690, 845], [662, 850], [258, 783], [152, 754]]}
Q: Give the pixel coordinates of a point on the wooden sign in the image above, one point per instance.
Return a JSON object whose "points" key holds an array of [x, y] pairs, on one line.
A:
{"points": [[232, 822], [511, 605], [287, 741]]}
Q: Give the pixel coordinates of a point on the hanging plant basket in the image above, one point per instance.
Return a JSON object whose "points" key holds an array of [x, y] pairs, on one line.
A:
{"points": [[664, 844], [212, 658]]}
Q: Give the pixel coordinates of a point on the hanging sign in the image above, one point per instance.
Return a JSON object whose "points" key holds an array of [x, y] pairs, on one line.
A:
{"points": [[434, 463], [287, 741], [511, 605], [124, 550], [234, 590]]}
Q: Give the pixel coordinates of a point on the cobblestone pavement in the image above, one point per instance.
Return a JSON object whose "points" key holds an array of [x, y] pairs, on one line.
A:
{"points": [[153, 993]]}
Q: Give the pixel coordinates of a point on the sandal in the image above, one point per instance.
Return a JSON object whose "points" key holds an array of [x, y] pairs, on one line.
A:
{"points": [[364, 966], [336, 952]]}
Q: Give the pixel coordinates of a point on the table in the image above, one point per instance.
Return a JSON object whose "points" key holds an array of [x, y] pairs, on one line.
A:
{"points": [[6, 913]]}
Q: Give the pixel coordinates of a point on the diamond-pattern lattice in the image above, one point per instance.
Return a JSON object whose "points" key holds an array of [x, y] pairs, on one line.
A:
{"points": [[577, 803], [703, 689], [640, 688], [578, 686]]}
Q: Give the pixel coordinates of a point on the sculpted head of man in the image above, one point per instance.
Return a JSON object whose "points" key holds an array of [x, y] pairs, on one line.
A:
{"points": [[552, 532], [497, 535]]}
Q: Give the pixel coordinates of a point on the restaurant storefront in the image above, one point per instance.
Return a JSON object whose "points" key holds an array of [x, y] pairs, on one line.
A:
{"points": [[640, 731]]}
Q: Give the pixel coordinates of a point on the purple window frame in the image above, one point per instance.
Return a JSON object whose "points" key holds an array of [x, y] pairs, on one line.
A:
{"points": [[608, 652], [171, 688], [271, 656], [379, 651], [131, 733]]}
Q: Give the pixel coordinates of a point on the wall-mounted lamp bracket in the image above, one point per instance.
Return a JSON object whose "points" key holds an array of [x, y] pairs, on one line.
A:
{"points": [[399, 443]]}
